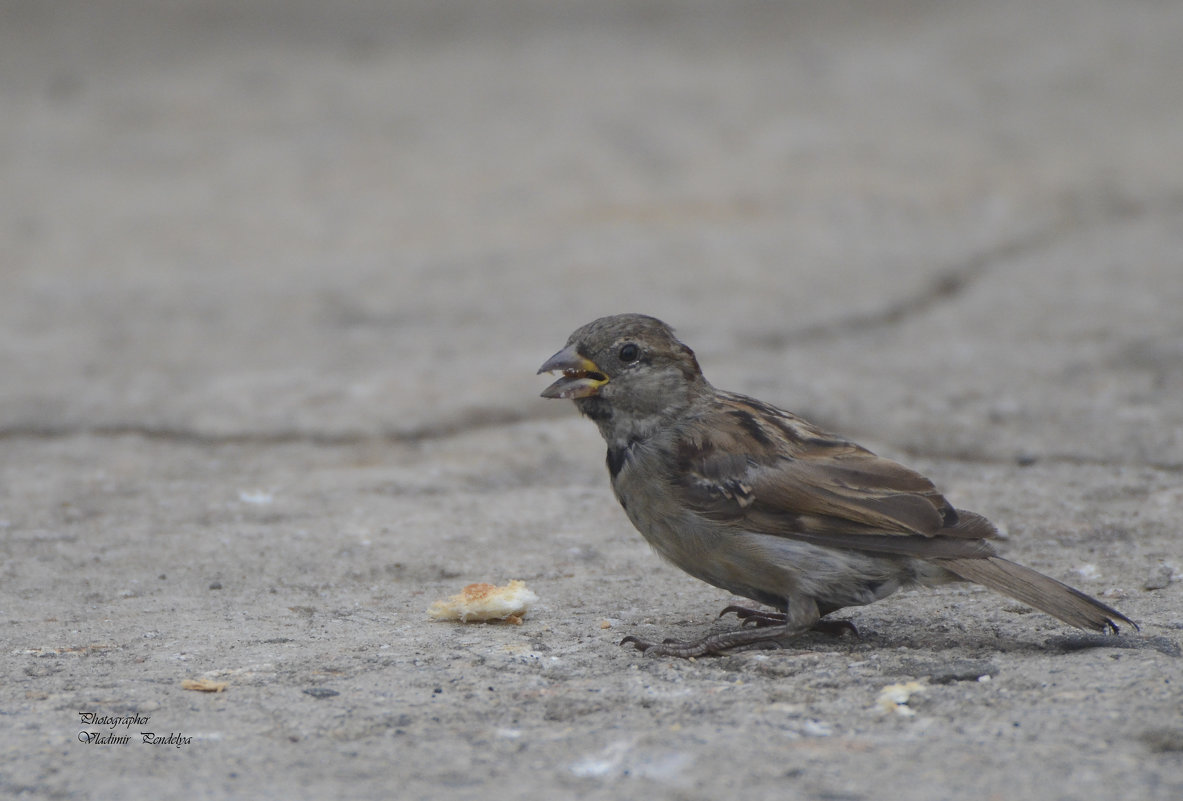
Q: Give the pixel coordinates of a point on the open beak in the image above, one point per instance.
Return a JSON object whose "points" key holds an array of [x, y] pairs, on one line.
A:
{"points": [[581, 376]]}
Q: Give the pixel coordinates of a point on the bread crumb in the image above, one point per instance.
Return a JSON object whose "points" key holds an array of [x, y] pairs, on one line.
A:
{"points": [[895, 697], [204, 685], [478, 603]]}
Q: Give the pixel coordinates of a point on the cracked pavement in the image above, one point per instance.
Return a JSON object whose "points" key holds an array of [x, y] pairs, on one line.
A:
{"points": [[278, 278]]}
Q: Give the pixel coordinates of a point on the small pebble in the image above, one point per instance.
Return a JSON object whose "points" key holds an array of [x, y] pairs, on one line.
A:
{"points": [[1160, 576]]}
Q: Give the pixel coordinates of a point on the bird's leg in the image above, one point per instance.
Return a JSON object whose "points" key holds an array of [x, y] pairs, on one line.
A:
{"points": [[802, 616], [761, 619]]}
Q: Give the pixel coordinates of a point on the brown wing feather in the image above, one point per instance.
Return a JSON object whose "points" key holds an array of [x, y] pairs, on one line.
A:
{"points": [[762, 469], [813, 485]]}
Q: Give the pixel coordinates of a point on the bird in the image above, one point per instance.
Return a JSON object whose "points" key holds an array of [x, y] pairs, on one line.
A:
{"points": [[765, 505]]}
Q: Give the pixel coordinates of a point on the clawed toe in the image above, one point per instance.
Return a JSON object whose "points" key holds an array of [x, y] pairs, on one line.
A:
{"points": [[761, 619], [726, 642], [667, 647], [758, 631], [754, 617]]}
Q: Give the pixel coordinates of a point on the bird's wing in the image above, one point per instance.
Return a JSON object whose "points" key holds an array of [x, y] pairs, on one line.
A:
{"points": [[758, 468]]}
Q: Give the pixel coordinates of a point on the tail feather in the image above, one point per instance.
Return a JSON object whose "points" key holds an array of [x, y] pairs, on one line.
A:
{"points": [[1035, 589]]}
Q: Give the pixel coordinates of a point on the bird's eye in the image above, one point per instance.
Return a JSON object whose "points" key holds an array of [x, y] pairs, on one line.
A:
{"points": [[629, 353]]}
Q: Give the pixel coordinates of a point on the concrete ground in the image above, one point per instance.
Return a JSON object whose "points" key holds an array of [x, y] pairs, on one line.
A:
{"points": [[277, 276]]}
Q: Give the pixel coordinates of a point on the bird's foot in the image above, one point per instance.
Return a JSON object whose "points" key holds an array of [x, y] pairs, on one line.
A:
{"points": [[761, 619], [727, 642], [754, 617]]}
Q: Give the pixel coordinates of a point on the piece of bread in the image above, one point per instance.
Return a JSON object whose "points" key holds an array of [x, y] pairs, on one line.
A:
{"points": [[485, 602]]}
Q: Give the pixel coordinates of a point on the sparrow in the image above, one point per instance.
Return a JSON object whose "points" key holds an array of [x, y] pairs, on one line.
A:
{"points": [[765, 505]]}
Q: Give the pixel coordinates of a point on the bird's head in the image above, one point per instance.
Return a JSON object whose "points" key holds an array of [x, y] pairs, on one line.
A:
{"points": [[627, 372]]}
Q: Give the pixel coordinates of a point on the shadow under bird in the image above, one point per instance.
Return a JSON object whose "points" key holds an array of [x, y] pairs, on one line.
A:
{"points": [[763, 504]]}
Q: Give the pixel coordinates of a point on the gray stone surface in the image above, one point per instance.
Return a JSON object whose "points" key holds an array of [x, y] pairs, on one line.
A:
{"points": [[277, 277]]}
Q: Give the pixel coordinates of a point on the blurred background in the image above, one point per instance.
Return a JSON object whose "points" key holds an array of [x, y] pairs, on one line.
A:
{"points": [[362, 218]]}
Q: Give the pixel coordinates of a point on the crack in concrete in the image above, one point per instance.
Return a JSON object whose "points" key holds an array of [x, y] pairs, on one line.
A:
{"points": [[183, 436], [485, 419], [955, 281], [475, 421], [945, 286]]}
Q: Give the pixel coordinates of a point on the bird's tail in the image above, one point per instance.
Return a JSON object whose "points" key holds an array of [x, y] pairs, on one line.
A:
{"points": [[1035, 589]]}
